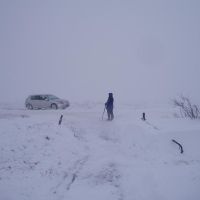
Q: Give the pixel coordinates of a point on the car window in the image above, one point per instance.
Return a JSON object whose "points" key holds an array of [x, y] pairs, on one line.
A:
{"points": [[36, 97], [52, 97], [44, 97], [33, 97], [40, 97]]}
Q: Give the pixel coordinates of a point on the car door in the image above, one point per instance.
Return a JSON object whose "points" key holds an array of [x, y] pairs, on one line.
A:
{"points": [[35, 101], [44, 103]]}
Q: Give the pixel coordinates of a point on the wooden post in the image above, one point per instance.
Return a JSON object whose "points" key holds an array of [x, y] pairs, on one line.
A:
{"points": [[143, 116], [60, 120]]}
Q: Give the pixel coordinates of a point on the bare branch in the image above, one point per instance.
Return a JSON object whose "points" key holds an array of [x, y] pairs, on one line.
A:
{"points": [[187, 109], [180, 146]]}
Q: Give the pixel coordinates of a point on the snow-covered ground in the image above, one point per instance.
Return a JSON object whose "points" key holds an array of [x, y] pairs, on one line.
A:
{"points": [[86, 158]]}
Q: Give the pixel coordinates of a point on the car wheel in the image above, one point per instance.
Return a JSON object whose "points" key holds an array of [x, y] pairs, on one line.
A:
{"points": [[29, 107], [54, 106]]}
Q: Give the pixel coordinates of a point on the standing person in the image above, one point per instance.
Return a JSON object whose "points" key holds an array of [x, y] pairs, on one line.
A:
{"points": [[109, 106]]}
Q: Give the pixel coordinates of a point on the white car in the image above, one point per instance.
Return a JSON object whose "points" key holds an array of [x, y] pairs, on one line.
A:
{"points": [[45, 101]]}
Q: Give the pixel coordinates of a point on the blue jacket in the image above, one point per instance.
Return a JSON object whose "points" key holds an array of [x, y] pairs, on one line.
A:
{"points": [[109, 103]]}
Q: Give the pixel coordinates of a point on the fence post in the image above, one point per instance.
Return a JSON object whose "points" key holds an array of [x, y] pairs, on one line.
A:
{"points": [[60, 120], [143, 116]]}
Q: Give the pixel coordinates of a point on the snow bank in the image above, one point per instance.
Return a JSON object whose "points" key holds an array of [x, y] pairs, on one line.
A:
{"points": [[87, 158]]}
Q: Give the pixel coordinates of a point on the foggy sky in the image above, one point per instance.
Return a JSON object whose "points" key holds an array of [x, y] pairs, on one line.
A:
{"points": [[83, 49]]}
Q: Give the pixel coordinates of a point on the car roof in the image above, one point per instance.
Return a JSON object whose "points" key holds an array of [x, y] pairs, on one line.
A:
{"points": [[41, 95]]}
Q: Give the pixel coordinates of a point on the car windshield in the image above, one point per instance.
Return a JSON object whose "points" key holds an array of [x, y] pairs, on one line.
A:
{"points": [[52, 97]]}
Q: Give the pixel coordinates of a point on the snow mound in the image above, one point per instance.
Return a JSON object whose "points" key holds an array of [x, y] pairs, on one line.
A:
{"points": [[87, 158]]}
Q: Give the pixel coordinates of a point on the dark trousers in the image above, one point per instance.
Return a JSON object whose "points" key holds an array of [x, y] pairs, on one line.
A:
{"points": [[110, 114]]}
